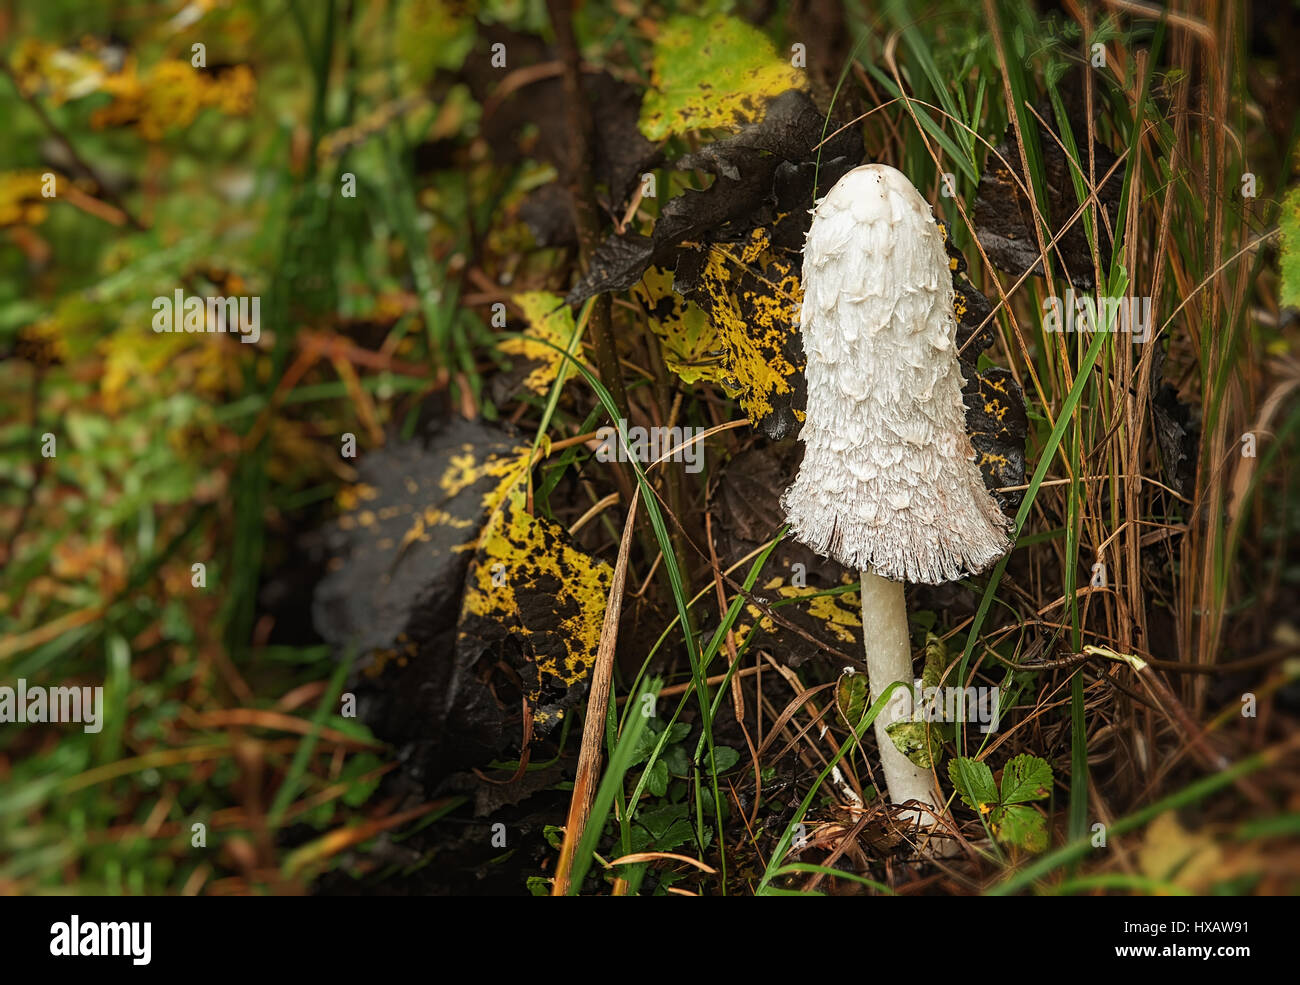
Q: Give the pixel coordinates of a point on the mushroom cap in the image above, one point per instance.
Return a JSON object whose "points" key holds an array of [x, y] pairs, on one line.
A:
{"points": [[888, 480]]}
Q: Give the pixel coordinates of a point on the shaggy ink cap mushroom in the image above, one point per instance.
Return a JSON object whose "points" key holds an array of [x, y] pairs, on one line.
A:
{"points": [[888, 481]]}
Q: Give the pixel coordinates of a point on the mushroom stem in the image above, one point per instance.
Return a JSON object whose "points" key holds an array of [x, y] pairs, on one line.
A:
{"points": [[889, 659]]}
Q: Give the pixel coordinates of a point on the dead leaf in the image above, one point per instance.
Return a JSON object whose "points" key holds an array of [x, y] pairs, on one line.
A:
{"points": [[1003, 217], [412, 586]]}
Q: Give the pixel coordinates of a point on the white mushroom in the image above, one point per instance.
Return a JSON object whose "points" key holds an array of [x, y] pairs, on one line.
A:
{"points": [[888, 483]]}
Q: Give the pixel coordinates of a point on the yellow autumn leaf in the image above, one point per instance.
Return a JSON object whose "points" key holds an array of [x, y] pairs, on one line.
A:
{"points": [[752, 293], [528, 581], [711, 73], [21, 201], [1171, 853], [837, 614], [691, 346], [550, 320], [170, 95]]}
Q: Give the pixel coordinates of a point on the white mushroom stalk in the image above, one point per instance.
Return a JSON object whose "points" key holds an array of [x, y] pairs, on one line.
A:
{"points": [[888, 483]]}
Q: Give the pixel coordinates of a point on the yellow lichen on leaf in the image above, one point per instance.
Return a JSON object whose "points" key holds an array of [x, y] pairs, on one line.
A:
{"points": [[996, 410], [21, 201], [691, 346], [350, 497], [990, 460], [526, 577], [530, 597], [755, 325], [430, 507], [838, 614], [719, 72], [549, 320], [56, 73], [465, 470], [996, 426], [171, 95]]}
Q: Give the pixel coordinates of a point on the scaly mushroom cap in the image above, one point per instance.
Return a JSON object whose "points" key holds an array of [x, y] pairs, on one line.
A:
{"points": [[888, 480]]}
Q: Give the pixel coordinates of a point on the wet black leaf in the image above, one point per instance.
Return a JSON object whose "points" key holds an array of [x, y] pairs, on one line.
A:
{"points": [[1004, 219], [458, 601], [997, 425], [972, 310], [746, 166], [617, 264], [620, 153], [995, 405], [747, 513], [397, 601], [735, 249], [1178, 435], [969, 305], [789, 130], [747, 503], [548, 213]]}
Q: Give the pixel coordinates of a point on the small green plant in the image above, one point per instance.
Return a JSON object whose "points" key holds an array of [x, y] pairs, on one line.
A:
{"points": [[666, 824], [1006, 809]]}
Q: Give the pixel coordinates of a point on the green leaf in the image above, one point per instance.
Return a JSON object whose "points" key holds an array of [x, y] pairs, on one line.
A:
{"points": [[677, 760], [657, 778], [712, 73], [677, 732], [1026, 778], [640, 840], [667, 826], [644, 746], [659, 819], [539, 885], [914, 740], [936, 661], [973, 781], [852, 697], [1289, 254], [918, 741], [1020, 825], [724, 757]]}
